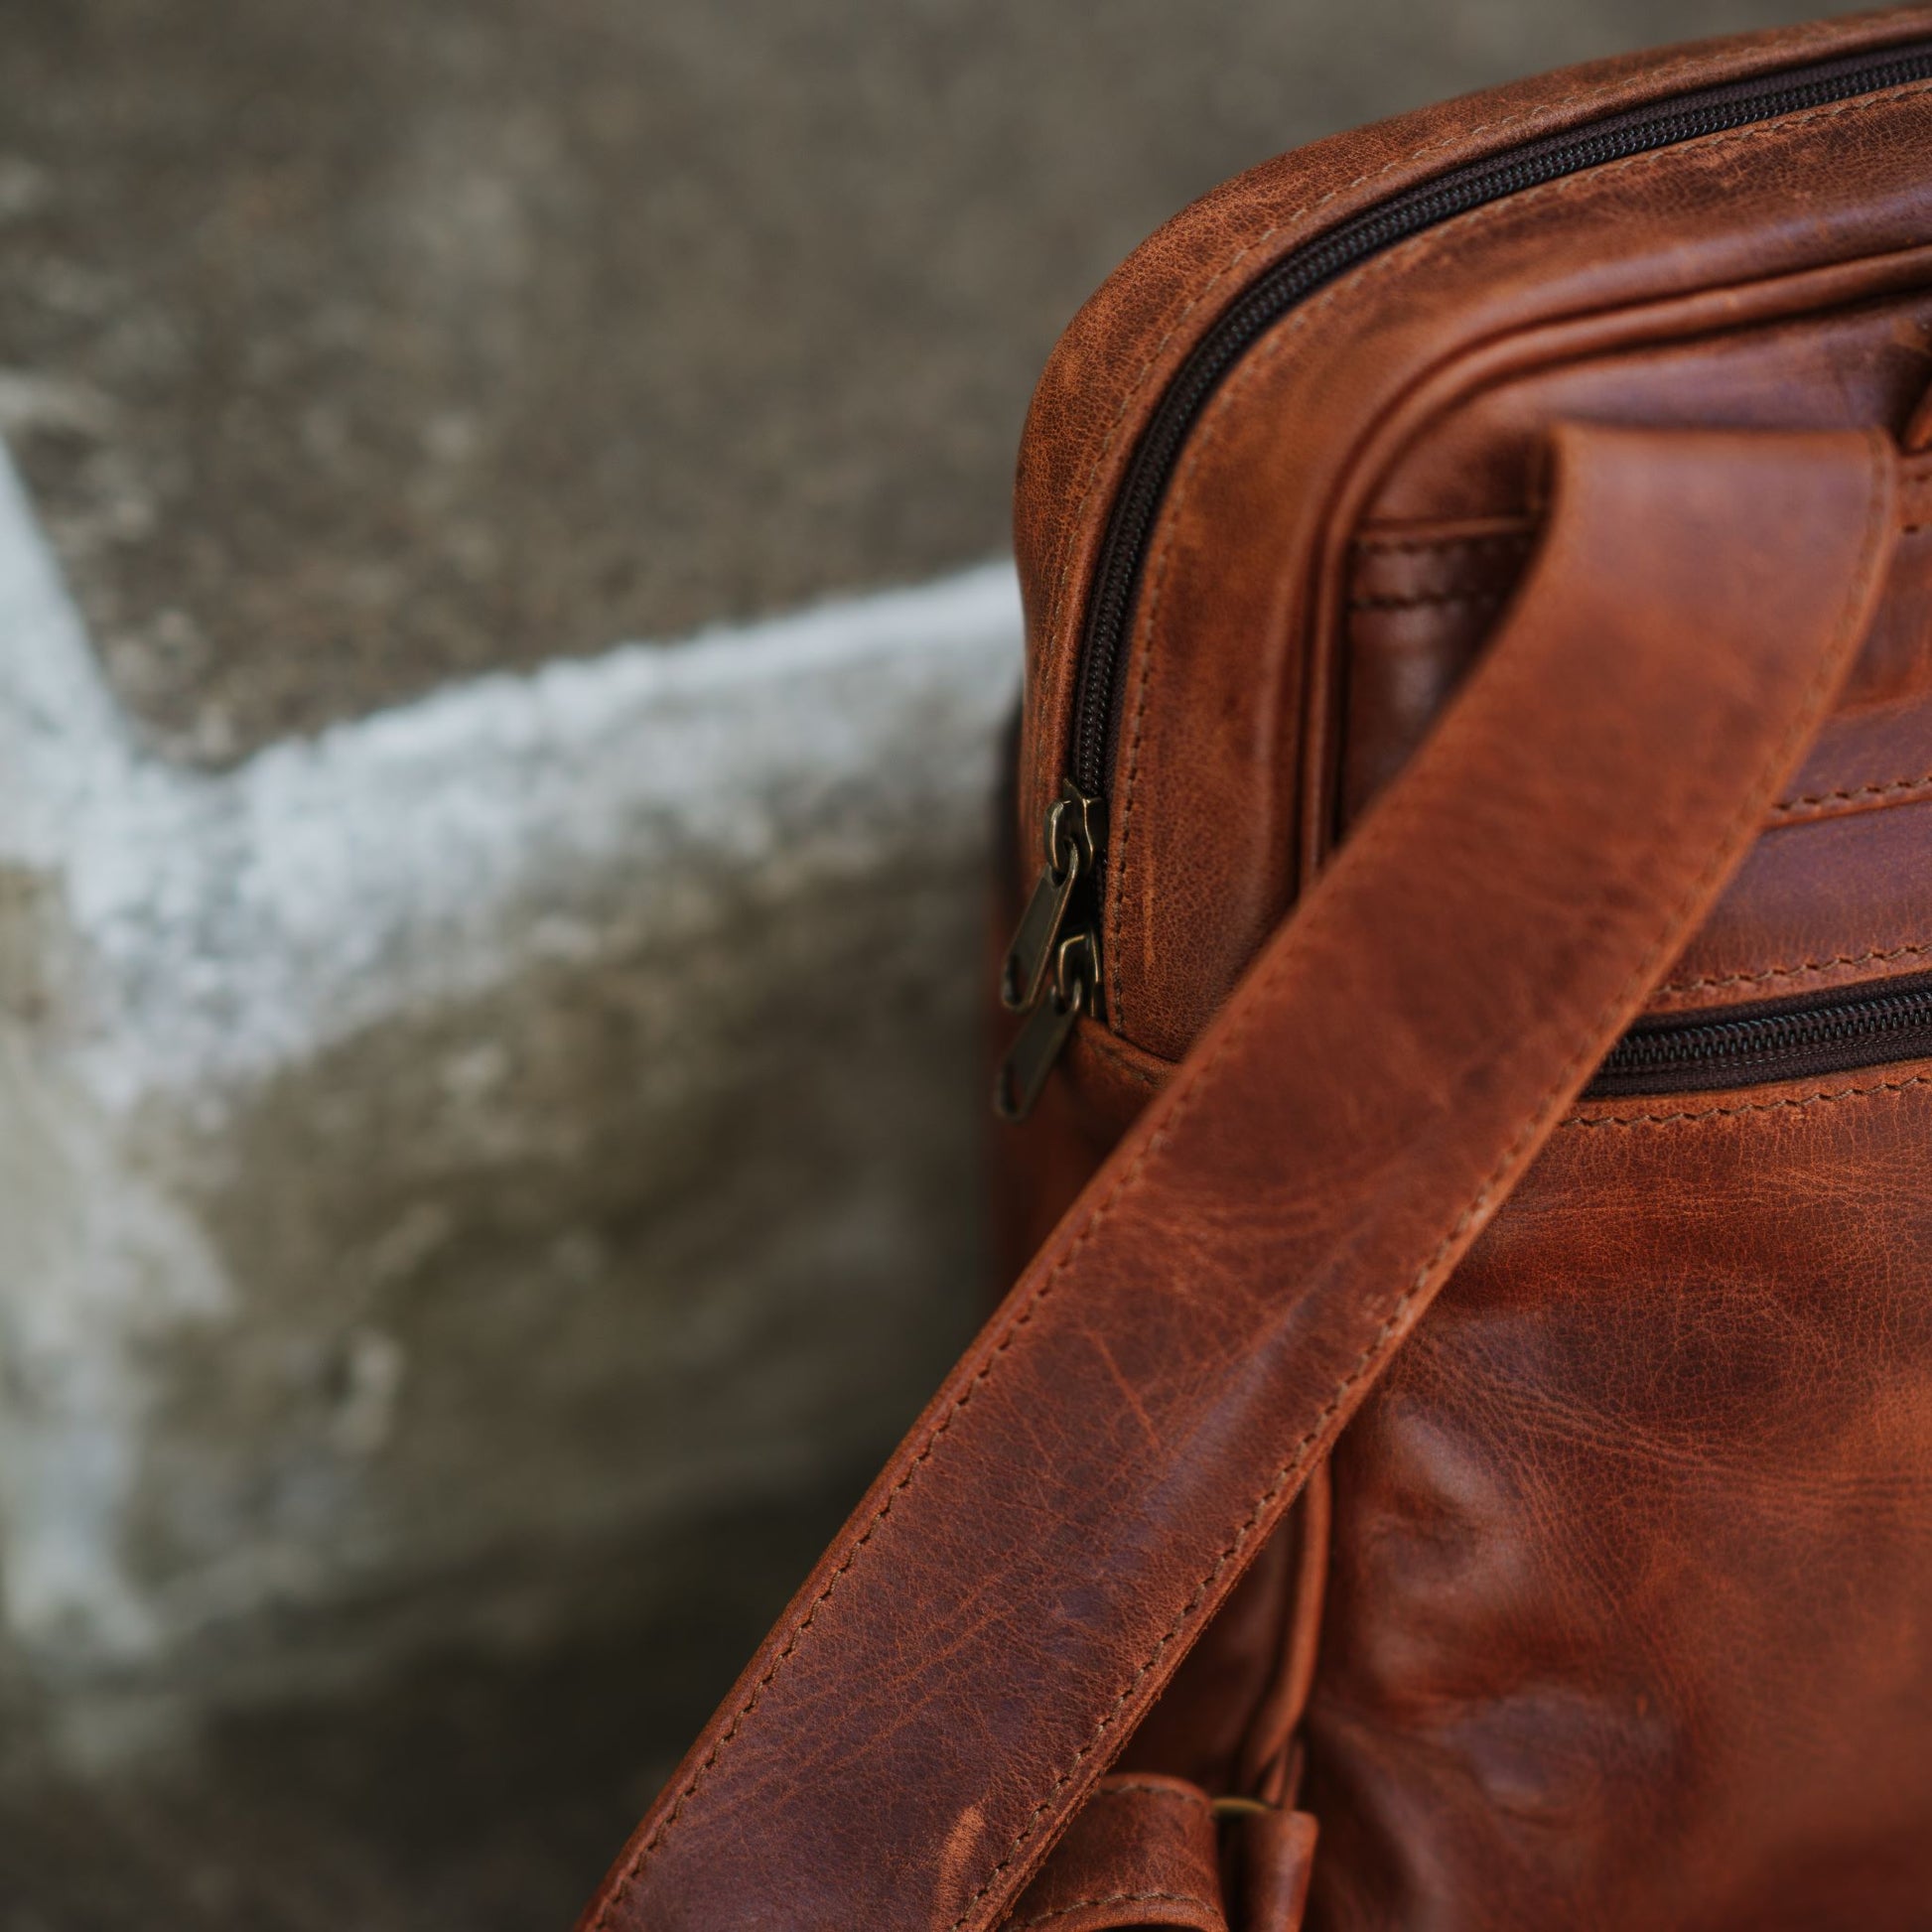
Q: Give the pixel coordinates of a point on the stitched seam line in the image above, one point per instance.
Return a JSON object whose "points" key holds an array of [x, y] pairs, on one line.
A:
{"points": [[1095, 1221], [1111, 1899], [1742, 826], [1417, 251], [1795, 1104], [628, 1876], [1854, 793], [1712, 981]]}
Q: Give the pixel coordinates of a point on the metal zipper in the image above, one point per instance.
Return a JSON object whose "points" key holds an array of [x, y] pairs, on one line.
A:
{"points": [[1253, 313], [1059, 929], [1834, 1032]]}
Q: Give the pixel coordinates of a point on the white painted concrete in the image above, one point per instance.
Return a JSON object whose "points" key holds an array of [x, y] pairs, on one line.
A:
{"points": [[436, 1153]]}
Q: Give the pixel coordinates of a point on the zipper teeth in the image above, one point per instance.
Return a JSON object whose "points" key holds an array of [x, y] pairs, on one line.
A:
{"points": [[1298, 275], [1863, 1023]]}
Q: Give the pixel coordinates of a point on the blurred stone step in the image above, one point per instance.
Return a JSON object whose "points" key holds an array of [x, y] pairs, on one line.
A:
{"points": [[443, 1151]]}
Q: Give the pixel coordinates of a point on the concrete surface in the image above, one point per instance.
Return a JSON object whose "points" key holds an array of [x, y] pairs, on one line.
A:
{"points": [[483, 1130], [485, 1145], [481, 1791]]}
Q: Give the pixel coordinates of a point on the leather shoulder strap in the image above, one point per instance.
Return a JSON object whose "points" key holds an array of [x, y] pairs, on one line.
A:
{"points": [[1088, 1486]]}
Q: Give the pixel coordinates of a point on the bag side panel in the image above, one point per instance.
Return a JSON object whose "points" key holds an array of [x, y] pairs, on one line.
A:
{"points": [[1630, 1621]]}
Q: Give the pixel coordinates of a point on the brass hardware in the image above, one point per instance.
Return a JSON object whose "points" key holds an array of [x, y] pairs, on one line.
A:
{"points": [[1023, 1073], [1075, 835], [1239, 1807], [1072, 835], [1023, 971]]}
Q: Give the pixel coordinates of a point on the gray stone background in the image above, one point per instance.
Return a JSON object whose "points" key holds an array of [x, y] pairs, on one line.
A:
{"points": [[348, 353]]}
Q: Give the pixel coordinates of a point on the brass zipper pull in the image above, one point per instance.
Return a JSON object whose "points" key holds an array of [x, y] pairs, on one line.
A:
{"points": [[1052, 970], [1023, 1073], [1073, 835]]}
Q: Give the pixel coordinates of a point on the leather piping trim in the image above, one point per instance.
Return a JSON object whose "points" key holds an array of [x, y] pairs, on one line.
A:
{"points": [[1423, 599], [1115, 1054], [1520, 535], [1147, 1788]]}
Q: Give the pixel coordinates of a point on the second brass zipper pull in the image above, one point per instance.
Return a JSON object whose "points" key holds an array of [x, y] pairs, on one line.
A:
{"points": [[1052, 970], [1073, 835], [1040, 1042]]}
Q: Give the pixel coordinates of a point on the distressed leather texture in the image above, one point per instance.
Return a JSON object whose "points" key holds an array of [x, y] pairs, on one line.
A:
{"points": [[1628, 1622], [1401, 1492]]}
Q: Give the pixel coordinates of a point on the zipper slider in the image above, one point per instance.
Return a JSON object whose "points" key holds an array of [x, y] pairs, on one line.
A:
{"points": [[1023, 1073], [1049, 973], [1075, 830]]}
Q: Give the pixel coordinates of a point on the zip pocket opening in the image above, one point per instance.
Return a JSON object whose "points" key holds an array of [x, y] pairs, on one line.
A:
{"points": [[1842, 1029]]}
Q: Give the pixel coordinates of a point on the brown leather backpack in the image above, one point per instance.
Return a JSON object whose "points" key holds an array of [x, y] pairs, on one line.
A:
{"points": [[1478, 749]]}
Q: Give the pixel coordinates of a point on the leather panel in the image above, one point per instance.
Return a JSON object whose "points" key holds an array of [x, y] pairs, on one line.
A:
{"points": [[1424, 595], [1835, 902], [1631, 1614], [1449, 522]]}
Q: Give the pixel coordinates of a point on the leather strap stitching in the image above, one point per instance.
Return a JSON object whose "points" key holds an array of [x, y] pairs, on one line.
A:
{"points": [[1795, 807], [1732, 1110], [1712, 981]]}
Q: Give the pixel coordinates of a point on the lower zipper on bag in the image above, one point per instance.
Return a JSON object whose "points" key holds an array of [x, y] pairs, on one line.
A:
{"points": [[1836, 1032], [1042, 1037]]}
